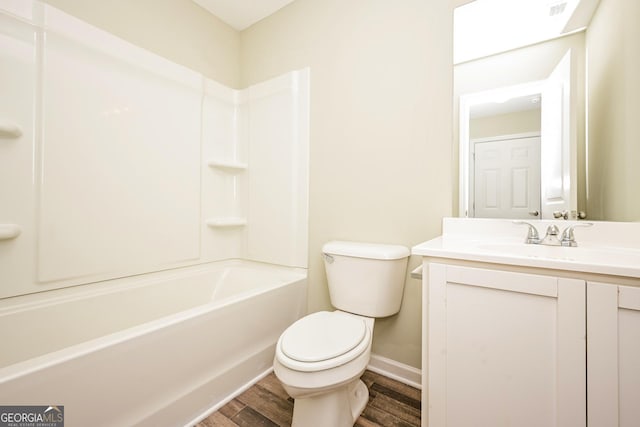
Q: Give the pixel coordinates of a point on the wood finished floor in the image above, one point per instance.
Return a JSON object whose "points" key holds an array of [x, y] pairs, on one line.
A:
{"points": [[266, 404]]}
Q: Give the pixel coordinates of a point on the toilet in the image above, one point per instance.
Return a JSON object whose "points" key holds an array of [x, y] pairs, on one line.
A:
{"points": [[320, 358]]}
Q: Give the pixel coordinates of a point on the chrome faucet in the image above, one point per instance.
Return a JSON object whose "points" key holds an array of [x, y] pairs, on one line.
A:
{"points": [[567, 238], [533, 238], [551, 238]]}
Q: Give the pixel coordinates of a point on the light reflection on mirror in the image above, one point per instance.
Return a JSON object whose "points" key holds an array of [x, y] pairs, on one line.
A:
{"points": [[486, 27]]}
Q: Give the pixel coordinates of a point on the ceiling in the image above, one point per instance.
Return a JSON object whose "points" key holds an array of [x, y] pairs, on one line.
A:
{"points": [[481, 25], [241, 14], [513, 105]]}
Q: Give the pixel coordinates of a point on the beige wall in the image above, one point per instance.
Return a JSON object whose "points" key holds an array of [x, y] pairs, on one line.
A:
{"points": [[179, 30], [380, 153], [612, 42], [505, 124]]}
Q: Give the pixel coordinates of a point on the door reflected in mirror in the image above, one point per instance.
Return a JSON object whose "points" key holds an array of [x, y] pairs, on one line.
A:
{"points": [[502, 139], [586, 167], [519, 161]]}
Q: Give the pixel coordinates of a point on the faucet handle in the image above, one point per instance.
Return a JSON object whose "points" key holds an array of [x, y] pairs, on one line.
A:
{"points": [[553, 230], [568, 238], [532, 235]]}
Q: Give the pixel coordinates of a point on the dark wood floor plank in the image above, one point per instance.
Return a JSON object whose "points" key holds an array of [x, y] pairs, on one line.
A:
{"points": [[216, 420], [232, 408], [363, 422], [249, 417], [268, 404], [383, 418], [272, 383], [369, 377], [397, 409], [400, 397]]}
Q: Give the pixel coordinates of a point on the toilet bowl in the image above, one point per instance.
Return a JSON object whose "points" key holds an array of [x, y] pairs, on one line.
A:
{"points": [[319, 359]]}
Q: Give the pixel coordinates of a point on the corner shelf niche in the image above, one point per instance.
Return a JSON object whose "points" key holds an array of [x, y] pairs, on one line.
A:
{"points": [[226, 166], [230, 167], [226, 222]]}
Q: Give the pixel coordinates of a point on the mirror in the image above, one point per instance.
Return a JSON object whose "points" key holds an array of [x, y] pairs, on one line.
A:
{"points": [[585, 166], [516, 144]]}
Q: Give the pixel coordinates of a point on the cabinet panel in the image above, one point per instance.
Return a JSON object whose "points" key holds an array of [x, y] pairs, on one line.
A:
{"points": [[628, 369], [504, 349], [496, 341], [613, 318]]}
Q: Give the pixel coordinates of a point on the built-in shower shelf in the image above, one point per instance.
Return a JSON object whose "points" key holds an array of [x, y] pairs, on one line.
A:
{"points": [[231, 167], [227, 222], [9, 231], [9, 129]]}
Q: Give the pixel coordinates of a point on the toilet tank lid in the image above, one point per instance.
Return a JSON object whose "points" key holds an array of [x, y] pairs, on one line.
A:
{"points": [[365, 250]]}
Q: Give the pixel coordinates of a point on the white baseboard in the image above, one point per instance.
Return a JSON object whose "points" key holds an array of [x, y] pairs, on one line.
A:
{"points": [[396, 371]]}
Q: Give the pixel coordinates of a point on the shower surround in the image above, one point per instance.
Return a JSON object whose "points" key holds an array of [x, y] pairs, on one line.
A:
{"points": [[119, 167]]}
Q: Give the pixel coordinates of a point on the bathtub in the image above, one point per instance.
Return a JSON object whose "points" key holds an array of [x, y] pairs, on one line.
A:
{"points": [[162, 349]]}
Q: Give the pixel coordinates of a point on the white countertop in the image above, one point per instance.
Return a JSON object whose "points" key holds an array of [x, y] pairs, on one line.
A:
{"points": [[605, 248]]}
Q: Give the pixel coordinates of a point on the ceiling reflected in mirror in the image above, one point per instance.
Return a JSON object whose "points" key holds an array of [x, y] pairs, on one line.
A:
{"points": [[506, 106], [487, 27]]}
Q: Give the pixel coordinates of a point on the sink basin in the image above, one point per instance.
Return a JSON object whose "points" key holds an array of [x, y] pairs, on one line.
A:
{"points": [[608, 249], [587, 255]]}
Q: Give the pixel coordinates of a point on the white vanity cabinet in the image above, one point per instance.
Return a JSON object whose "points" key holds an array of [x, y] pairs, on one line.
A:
{"points": [[503, 348], [518, 335], [613, 354]]}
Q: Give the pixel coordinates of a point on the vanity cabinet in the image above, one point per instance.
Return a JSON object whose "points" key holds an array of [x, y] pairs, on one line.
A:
{"points": [[511, 347], [613, 354], [518, 335], [503, 348]]}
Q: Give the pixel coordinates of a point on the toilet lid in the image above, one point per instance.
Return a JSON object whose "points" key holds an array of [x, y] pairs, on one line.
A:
{"points": [[322, 336]]}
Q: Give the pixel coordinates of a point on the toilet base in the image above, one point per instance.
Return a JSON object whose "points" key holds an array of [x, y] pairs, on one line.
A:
{"points": [[340, 407]]}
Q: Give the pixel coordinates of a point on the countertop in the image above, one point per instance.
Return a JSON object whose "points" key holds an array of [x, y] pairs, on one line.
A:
{"points": [[604, 248]]}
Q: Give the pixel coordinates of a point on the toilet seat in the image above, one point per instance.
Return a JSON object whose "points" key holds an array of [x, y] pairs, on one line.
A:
{"points": [[322, 340]]}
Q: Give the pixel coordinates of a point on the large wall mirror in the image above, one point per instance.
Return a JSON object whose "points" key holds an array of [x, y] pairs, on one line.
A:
{"points": [[546, 96]]}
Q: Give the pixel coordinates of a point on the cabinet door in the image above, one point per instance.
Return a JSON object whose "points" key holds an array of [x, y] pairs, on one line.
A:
{"points": [[613, 354], [504, 349]]}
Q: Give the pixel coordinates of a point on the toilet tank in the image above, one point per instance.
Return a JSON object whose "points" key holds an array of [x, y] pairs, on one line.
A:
{"points": [[365, 278]]}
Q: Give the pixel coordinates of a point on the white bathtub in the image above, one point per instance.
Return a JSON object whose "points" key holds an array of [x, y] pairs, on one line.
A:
{"points": [[154, 350]]}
